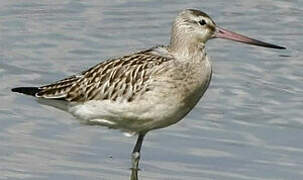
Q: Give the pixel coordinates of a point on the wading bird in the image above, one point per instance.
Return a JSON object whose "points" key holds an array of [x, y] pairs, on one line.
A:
{"points": [[145, 90]]}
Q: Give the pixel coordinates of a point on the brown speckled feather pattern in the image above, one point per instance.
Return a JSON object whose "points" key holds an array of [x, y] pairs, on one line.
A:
{"points": [[122, 78], [141, 91]]}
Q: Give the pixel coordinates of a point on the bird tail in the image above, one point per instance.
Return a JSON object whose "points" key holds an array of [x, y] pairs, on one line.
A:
{"points": [[27, 90]]}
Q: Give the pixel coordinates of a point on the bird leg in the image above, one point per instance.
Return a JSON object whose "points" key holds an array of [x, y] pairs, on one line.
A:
{"points": [[136, 152]]}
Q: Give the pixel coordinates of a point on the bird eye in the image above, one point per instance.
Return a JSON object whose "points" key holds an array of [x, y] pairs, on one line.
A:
{"points": [[202, 22]]}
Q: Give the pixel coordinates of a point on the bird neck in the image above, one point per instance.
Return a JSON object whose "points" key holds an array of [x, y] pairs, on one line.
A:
{"points": [[187, 48]]}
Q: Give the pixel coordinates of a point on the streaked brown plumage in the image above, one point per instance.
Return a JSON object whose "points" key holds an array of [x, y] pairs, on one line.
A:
{"points": [[123, 77], [146, 90]]}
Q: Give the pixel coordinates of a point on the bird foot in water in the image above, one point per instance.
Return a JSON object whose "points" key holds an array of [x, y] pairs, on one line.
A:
{"points": [[135, 161]]}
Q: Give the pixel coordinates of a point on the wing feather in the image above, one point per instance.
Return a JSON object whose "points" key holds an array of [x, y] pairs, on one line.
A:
{"points": [[122, 77]]}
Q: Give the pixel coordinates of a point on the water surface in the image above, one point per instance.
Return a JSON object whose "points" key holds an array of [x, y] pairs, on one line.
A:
{"points": [[248, 126]]}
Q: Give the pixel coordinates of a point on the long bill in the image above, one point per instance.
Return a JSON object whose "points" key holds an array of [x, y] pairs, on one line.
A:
{"points": [[226, 34]]}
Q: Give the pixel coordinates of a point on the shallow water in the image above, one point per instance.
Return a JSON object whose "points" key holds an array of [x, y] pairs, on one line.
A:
{"points": [[248, 126]]}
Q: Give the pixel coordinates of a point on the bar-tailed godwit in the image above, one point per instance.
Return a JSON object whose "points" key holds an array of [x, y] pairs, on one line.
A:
{"points": [[145, 90]]}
